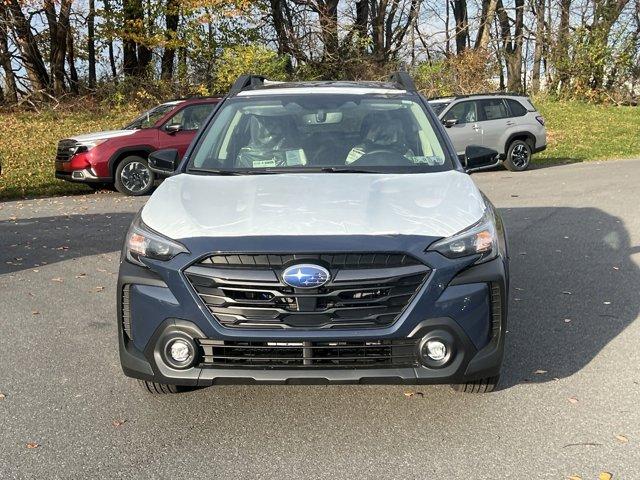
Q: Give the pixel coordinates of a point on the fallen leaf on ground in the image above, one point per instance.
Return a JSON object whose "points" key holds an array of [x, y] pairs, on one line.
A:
{"points": [[2, 396], [411, 393], [567, 320], [118, 423], [566, 293], [622, 439], [574, 477], [57, 279], [573, 400], [80, 275], [605, 476], [99, 289], [32, 445], [607, 303], [540, 372], [35, 312]]}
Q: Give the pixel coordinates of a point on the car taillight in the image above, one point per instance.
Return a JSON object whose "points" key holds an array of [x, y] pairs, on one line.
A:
{"points": [[540, 120]]}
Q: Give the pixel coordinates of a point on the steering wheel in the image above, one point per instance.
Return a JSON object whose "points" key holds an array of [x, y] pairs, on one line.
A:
{"points": [[382, 157]]}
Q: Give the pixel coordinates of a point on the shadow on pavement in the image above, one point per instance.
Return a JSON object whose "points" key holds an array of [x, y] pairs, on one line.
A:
{"points": [[34, 242], [574, 288]]}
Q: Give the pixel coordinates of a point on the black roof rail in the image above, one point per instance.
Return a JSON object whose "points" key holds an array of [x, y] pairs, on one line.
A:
{"points": [[404, 80], [486, 94], [246, 82]]}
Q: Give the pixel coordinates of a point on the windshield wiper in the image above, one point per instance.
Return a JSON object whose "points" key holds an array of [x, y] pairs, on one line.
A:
{"points": [[215, 171], [346, 170]]}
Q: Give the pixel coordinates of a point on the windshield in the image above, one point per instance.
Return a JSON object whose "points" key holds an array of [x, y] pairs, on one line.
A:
{"points": [[326, 132], [149, 118], [438, 107]]}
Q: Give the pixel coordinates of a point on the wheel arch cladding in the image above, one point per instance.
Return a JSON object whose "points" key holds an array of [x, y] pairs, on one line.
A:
{"points": [[527, 137], [140, 151]]}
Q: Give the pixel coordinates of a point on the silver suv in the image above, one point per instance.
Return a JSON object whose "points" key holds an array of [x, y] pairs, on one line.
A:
{"points": [[507, 123]]}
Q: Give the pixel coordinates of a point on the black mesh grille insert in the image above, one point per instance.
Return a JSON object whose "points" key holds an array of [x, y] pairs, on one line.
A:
{"points": [[360, 294], [302, 354]]}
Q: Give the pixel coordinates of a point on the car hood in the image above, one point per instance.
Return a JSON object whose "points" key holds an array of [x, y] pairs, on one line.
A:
{"points": [[92, 137], [431, 204]]}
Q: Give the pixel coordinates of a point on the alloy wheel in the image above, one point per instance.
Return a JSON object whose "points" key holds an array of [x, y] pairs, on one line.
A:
{"points": [[135, 176]]}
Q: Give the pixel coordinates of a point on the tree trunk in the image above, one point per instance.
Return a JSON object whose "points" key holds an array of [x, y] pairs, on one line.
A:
{"points": [[32, 58], [58, 32], [561, 56], [74, 84], [11, 91], [537, 53], [91, 44], [486, 19], [512, 44], [133, 14], [327, 11], [109, 22], [172, 17], [462, 24]]}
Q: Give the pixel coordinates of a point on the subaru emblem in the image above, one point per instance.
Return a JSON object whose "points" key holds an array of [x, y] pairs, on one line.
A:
{"points": [[306, 276]]}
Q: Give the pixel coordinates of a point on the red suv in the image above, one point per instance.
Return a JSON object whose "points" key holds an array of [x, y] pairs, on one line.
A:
{"points": [[119, 157]]}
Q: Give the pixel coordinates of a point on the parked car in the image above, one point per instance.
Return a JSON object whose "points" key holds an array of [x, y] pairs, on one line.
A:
{"points": [[319, 232], [507, 123], [119, 157]]}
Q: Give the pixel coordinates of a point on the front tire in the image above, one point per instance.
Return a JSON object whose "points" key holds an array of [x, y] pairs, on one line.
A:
{"points": [[156, 388], [484, 385], [134, 177], [518, 156]]}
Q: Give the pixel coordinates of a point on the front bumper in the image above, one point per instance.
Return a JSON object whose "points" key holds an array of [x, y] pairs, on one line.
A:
{"points": [[458, 298]]}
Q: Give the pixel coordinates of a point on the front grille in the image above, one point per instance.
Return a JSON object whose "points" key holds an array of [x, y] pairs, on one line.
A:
{"points": [[66, 149], [358, 294], [363, 354]]}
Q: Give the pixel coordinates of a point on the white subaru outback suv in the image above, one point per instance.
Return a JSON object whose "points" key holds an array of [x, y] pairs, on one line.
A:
{"points": [[507, 123]]}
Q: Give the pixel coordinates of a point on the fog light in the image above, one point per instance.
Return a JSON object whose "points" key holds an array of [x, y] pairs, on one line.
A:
{"points": [[180, 351], [436, 350]]}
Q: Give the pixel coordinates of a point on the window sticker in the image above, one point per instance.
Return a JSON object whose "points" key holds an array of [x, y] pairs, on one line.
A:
{"points": [[264, 163], [354, 154], [431, 161], [295, 157]]}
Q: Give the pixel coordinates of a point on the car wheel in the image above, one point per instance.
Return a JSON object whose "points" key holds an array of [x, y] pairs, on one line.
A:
{"points": [[156, 388], [484, 385], [134, 177], [518, 156]]}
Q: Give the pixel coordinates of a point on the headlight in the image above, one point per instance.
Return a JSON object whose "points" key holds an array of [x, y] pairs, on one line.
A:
{"points": [[479, 239], [141, 242], [86, 146]]}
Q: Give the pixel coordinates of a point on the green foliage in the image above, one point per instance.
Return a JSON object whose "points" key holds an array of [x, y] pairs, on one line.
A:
{"points": [[244, 59]]}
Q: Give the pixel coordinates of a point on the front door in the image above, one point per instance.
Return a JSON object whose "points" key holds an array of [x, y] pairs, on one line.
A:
{"points": [[187, 121], [467, 130]]}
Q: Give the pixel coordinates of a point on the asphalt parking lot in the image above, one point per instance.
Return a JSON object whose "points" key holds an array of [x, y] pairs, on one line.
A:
{"points": [[567, 404]]}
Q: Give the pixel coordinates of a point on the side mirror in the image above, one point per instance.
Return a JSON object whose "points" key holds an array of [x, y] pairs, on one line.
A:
{"points": [[174, 128], [478, 158], [450, 122], [164, 161]]}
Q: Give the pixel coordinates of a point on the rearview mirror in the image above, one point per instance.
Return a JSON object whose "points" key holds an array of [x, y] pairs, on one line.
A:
{"points": [[450, 122], [174, 128], [164, 161], [478, 157]]}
